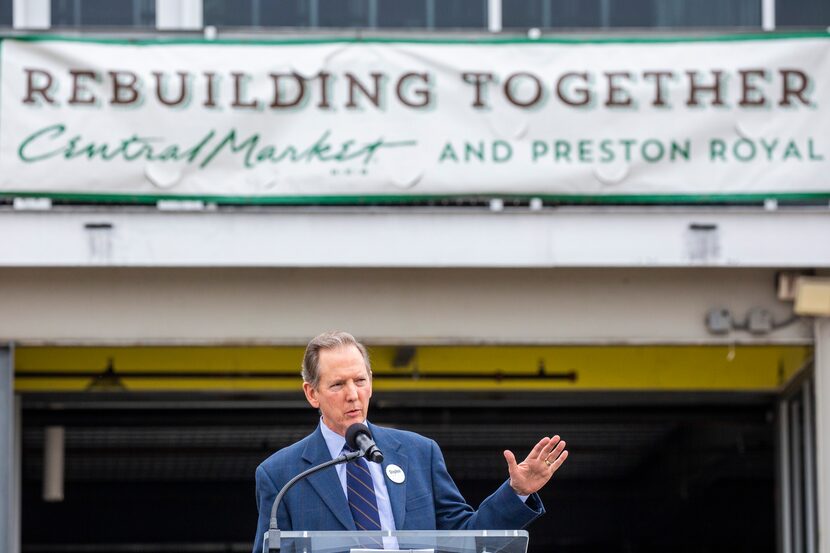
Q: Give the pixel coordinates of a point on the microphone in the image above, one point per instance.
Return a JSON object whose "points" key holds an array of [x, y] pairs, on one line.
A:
{"points": [[360, 439]]}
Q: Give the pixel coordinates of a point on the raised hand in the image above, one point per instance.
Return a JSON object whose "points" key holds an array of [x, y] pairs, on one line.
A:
{"points": [[533, 473]]}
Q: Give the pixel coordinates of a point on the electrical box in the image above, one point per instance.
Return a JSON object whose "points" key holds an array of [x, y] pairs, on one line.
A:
{"points": [[759, 321], [812, 296], [719, 320]]}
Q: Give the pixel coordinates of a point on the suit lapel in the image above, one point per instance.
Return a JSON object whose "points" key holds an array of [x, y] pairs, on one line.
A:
{"points": [[326, 483], [393, 455]]}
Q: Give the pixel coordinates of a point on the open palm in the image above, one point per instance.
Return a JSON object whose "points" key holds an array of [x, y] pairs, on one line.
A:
{"points": [[533, 473]]}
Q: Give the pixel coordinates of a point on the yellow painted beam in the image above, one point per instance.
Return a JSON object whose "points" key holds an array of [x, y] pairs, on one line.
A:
{"points": [[539, 368]]}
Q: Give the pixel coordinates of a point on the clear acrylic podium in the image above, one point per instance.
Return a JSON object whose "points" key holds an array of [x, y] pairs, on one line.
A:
{"points": [[420, 541]]}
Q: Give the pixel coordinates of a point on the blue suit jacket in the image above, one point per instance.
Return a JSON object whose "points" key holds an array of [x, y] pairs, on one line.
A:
{"points": [[428, 499]]}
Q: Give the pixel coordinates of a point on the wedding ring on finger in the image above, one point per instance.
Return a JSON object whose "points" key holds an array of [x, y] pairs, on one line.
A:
{"points": [[548, 462]]}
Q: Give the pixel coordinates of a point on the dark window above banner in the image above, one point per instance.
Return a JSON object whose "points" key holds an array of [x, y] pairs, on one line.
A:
{"points": [[5, 13], [344, 13], [255, 13], [461, 14], [587, 14], [802, 13], [439, 15], [417, 14], [103, 13], [369, 14]]}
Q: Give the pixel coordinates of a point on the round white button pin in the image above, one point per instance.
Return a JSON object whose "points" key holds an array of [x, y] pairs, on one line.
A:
{"points": [[395, 474]]}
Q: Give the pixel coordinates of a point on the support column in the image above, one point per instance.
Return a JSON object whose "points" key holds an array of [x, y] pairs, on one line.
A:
{"points": [[822, 406], [179, 15], [31, 14], [9, 457], [768, 15], [494, 16]]}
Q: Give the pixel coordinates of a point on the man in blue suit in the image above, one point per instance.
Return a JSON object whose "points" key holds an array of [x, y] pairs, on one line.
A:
{"points": [[411, 490]]}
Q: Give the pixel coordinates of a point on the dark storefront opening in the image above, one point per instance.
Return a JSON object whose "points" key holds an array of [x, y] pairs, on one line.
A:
{"points": [[647, 472]]}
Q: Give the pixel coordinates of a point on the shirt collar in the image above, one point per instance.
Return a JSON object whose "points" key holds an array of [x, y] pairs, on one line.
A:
{"points": [[334, 441]]}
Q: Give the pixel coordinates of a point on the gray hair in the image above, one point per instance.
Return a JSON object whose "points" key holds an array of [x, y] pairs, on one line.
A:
{"points": [[328, 340]]}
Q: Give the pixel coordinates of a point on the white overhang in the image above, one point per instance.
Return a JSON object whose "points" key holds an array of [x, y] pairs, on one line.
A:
{"points": [[417, 237]]}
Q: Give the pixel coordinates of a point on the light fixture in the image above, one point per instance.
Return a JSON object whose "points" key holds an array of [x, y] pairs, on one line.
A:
{"points": [[53, 463]]}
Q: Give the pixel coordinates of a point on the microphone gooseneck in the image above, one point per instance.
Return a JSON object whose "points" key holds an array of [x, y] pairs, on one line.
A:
{"points": [[271, 541]]}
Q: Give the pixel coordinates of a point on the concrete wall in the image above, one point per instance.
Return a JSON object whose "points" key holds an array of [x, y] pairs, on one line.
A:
{"points": [[287, 306]]}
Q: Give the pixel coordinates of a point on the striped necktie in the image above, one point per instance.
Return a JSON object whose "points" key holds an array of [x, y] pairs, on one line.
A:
{"points": [[361, 495]]}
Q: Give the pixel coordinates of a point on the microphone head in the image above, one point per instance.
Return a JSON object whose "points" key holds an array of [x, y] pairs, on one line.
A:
{"points": [[375, 455], [353, 431]]}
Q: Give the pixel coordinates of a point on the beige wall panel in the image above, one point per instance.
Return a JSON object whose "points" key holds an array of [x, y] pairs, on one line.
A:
{"points": [[287, 306]]}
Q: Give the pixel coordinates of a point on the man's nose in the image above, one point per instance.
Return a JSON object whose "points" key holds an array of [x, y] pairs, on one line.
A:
{"points": [[351, 391]]}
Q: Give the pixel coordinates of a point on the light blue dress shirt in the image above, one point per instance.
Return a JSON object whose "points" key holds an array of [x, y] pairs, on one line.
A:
{"points": [[335, 443]]}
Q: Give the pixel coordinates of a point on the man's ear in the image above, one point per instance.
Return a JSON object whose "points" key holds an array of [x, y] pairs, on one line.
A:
{"points": [[311, 395]]}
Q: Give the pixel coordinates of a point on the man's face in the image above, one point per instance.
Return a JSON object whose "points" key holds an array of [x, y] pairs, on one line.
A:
{"points": [[343, 392]]}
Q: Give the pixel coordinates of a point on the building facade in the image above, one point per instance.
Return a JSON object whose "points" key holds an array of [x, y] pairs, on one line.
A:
{"points": [[602, 219]]}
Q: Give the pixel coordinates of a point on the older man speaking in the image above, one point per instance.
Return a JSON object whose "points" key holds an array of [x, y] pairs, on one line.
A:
{"points": [[410, 490]]}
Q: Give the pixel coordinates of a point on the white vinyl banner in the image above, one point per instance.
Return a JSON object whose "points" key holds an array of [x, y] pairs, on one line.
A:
{"points": [[719, 118]]}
